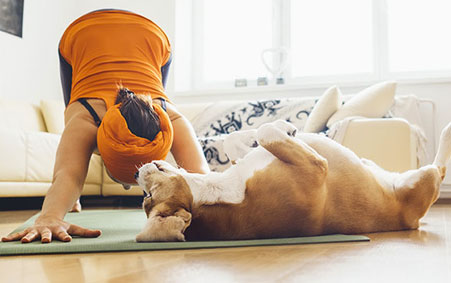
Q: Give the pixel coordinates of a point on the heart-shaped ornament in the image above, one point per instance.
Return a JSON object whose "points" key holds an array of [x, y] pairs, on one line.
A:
{"points": [[269, 55]]}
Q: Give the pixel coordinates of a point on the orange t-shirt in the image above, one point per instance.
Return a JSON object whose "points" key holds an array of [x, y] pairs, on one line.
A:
{"points": [[111, 47]]}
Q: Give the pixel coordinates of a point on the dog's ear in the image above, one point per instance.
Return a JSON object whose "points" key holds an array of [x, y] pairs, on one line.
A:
{"points": [[185, 216], [163, 223], [162, 229], [147, 205]]}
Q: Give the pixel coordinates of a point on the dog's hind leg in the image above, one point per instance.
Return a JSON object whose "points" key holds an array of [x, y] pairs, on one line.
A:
{"points": [[444, 151], [277, 138], [418, 189]]}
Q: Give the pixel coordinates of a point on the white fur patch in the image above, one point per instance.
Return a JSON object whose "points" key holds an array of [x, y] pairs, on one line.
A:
{"points": [[230, 185], [238, 144]]}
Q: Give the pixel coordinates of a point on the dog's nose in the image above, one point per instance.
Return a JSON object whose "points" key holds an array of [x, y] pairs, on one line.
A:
{"points": [[136, 175]]}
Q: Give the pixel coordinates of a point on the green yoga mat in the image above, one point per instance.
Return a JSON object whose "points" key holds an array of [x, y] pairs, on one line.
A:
{"points": [[119, 228]]}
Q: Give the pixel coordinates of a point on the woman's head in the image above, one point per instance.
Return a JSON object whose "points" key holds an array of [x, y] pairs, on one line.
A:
{"points": [[133, 132], [137, 110]]}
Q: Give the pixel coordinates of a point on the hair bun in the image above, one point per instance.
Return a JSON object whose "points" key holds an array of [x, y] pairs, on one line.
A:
{"points": [[123, 94]]}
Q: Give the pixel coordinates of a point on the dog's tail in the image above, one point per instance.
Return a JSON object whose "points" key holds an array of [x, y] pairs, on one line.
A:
{"points": [[444, 150]]}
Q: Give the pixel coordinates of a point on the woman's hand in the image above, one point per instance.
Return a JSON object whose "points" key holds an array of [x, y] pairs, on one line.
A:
{"points": [[47, 228]]}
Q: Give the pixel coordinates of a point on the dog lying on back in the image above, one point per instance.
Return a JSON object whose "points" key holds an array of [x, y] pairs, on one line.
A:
{"points": [[286, 186]]}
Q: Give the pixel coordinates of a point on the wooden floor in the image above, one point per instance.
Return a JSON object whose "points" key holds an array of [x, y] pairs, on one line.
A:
{"points": [[422, 255]]}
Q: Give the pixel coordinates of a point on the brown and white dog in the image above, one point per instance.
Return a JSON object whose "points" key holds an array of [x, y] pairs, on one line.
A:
{"points": [[287, 186]]}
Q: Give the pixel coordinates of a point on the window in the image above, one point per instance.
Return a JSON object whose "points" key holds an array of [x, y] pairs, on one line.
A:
{"points": [[328, 40], [332, 41], [418, 35], [233, 34]]}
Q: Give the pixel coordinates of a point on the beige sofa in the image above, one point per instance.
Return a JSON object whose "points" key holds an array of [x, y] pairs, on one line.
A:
{"points": [[29, 136]]}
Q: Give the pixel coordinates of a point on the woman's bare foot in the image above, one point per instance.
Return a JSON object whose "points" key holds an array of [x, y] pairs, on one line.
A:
{"points": [[76, 207]]}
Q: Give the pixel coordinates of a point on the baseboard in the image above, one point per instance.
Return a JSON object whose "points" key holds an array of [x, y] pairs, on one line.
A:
{"points": [[445, 191]]}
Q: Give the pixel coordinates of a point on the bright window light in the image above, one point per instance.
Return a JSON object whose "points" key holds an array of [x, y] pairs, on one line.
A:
{"points": [[418, 35], [234, 33], [330, 37]]}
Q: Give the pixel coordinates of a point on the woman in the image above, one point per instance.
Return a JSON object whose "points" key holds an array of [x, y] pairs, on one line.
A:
{"points": [[114, 66]]}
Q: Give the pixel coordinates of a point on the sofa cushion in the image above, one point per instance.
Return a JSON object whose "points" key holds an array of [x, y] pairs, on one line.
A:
{"points": [[20, 115], [31, 157], [13, 154], [372, 102], [34, 189], [327, 105], [40, 153], [53, 112], [192, 110]]}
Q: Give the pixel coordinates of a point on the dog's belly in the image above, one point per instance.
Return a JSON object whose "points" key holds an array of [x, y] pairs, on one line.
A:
{"points": [[345, 168], [338, 156], [278, 203], [360, 197], [275, 205]]}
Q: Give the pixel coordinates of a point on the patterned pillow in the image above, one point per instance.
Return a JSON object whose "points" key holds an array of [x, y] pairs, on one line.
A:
{"points": [[221, 119], [226, 118]]}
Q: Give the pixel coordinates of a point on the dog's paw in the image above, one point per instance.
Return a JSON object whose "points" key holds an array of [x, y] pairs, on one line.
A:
{"points": [[276, 131], [286, 127], [162, 229], [237, 144]]}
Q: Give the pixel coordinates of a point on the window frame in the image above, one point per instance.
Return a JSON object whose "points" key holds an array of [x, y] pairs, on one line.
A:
{"points": [[281, 37]]}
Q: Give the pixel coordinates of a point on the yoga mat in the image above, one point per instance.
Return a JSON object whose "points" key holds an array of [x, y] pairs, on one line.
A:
{"points": [[119, 228]]}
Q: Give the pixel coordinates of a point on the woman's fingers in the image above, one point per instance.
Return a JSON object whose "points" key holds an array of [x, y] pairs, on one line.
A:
{"points": [[30, 237], [61, 231], [62, 235], [76, 230], [15, 236], [46, 235]]}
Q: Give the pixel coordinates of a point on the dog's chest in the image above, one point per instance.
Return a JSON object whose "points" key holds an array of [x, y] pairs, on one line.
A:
{"points": [[238, 175], [256, 160], [230, 186]]}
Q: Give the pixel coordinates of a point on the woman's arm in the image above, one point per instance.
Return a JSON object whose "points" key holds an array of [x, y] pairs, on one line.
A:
{"points": [[71, 166], [185, 148]]}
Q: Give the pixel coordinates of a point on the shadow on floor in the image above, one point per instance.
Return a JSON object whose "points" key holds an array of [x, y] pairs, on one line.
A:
{"points": [[33, 203]]}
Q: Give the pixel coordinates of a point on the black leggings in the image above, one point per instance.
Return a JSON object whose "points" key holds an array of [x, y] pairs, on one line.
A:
{"points": [[66, 76]]}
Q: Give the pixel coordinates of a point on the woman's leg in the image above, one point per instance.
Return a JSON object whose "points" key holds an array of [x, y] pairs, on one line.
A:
{"points": [[165, 71]]}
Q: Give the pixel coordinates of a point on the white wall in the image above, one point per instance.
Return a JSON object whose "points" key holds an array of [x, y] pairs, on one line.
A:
{"points": [[29, 66]]}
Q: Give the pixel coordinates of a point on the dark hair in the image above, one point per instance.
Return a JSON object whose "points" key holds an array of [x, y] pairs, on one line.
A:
{"points": [[141, 119]]}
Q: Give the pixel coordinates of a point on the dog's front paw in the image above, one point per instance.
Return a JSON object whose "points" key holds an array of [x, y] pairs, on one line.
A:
{"points": [[285, 126], [237, 144], [162, 229], [275, 131]]}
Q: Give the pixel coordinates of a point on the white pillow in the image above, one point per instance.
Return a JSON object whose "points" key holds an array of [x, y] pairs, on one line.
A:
{"points": [[53, 112], [326, 106], [372, 102]]}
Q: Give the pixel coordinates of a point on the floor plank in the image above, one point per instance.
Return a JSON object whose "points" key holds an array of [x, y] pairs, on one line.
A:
{"points": [[422, 255]]}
